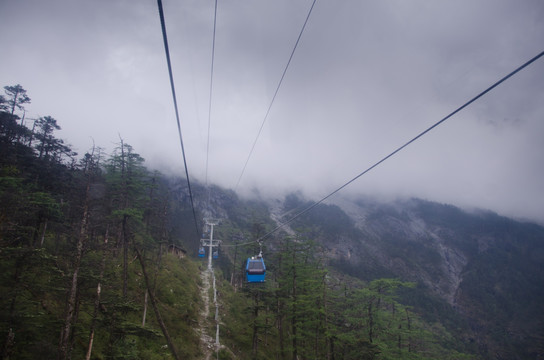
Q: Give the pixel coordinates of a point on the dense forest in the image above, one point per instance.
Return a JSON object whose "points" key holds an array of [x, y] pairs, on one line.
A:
{"points": [[98, 261]]}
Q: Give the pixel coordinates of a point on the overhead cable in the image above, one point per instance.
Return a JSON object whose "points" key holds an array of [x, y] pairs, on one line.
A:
{"points": [[304, 211], [275, 94], [210, 103], [167, 52]]}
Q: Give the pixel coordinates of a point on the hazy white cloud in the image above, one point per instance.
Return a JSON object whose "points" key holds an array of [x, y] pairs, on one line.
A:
{"points": [[366, 78]]}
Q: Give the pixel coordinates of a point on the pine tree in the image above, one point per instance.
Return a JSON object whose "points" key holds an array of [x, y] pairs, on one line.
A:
{"points": [[300, 300], [16, 98]]}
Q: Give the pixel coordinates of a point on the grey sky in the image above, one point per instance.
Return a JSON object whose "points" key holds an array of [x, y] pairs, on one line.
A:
{"points": [[367, 76]]}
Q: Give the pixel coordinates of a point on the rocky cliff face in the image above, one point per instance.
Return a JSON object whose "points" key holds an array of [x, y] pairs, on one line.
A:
{"points": [[478, 272], [438, 262], [487, 268]]}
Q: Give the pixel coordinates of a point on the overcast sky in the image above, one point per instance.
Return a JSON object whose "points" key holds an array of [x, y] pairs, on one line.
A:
{"points": [[367, 76]]}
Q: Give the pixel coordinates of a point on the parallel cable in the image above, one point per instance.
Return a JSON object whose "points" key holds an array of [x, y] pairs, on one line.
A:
{"points": [[304, 211], [167, 52], [210, 103], [275, 94]]}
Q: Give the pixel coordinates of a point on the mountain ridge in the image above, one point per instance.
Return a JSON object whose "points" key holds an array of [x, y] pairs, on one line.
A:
{"points": [[478, 268]]}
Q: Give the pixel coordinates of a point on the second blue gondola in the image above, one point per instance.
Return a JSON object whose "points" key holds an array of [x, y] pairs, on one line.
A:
{"points": [[201, 252], [255, 269]]}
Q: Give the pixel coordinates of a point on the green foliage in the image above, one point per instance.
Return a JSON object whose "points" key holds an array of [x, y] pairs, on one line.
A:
{"points": [[16, 97], [70, 227], [28, 305], [300, 298], [36, 276], [247, 311]]}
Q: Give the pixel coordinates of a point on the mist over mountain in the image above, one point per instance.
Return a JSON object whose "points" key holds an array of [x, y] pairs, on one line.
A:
{"points": [[467, 284], [478, 273], [365, 78]]}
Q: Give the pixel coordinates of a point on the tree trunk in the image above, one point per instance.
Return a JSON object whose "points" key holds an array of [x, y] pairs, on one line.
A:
{"points": [[124, 237], [66, 332], [42, 239], [370, 322], [10, 337], [156, 309], [255, 315], [329, 344], [125, 257], [294, 309], [280, 330], [234, 266], [279, 307], [97, 301], [408, 320], [145, 308], [14, 102]]}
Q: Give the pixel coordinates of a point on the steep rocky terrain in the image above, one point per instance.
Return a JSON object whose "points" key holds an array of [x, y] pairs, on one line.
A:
{"points": [[478, 274], [477, 271]]}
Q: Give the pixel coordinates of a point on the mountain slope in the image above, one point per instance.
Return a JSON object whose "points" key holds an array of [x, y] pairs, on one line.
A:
{"points": [[482, 270]]}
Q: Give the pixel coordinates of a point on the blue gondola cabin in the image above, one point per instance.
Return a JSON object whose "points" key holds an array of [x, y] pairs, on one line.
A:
{"points": [[201, 252], [255, 270]]}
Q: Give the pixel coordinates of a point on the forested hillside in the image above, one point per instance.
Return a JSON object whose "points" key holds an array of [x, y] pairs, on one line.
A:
{"points": [[478, 273], [85, 243], [99, 261]]}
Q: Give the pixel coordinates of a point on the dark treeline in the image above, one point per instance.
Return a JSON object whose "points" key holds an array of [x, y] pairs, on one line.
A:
{"points": [[306, 310], [85, 270], [82, 242]]}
